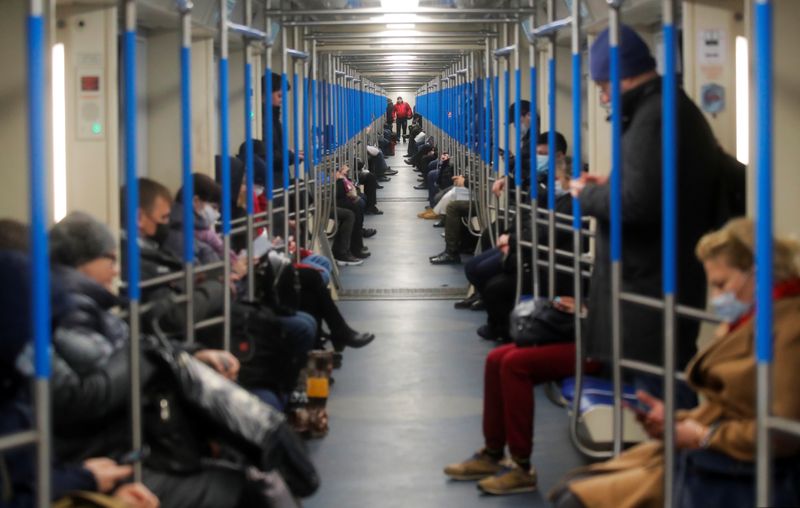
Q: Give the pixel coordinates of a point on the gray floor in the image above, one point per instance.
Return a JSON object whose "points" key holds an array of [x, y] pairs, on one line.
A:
{"points": [[411, 402]]}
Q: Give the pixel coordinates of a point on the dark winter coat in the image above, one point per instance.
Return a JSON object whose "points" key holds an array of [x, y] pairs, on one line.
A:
{"points": [[642, 330], [91, 377], [156, 261], [564, 282]]}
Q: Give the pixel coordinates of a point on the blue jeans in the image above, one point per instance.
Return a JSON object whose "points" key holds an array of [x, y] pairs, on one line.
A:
{"points": [[433, 189], [322, 264], [303, 328]]}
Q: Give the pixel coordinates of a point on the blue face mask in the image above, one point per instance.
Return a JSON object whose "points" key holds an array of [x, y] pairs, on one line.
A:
{"points": [[542, 164], [728, 307]]}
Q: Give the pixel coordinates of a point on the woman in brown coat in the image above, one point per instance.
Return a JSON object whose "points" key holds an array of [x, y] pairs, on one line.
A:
{"points": [[723, 427]]}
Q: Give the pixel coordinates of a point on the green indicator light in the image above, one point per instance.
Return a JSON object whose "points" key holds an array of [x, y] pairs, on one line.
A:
{"points": [[96, 128]]}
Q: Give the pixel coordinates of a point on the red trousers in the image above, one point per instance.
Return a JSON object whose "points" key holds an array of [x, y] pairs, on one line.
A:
{"points": [[508, 394]]}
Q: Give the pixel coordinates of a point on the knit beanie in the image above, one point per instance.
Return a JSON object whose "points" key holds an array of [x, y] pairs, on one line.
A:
{"points": [[79, 238], [634, 55]]}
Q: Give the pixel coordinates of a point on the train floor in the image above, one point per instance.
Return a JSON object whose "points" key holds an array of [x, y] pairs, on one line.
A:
{"points": [[411, 402]]}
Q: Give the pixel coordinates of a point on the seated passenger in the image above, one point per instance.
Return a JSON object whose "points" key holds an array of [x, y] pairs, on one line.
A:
{"points": [[91, 378], [716, 440], [508, 410], [95, 475], [494, 272]]}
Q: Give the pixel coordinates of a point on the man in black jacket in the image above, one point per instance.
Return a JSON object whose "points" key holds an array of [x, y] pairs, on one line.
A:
{"points": [[153, 220], [697, 163]]}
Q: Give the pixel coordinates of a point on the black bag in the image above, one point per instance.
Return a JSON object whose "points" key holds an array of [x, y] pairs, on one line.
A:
{"points": [[277, 284], [240, 418], [538, 323], [266, 353]]}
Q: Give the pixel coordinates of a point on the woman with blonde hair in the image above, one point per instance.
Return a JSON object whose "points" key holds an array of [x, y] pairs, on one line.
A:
{"points": [[716, 440]]}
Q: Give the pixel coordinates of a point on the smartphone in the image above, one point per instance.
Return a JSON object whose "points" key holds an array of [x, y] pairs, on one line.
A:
{"points": [[134, 456], [637, 406]]}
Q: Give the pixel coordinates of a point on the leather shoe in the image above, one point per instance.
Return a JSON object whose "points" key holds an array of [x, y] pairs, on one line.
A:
{"points": [[408, 162], [384, 179], [439, 223], [352, 339], [357, 340], [390, 172], [467, 302], [486, 332], [369, 232], [420, 187], [373, 210], [379, 187], [477, 305], [445, 258]]}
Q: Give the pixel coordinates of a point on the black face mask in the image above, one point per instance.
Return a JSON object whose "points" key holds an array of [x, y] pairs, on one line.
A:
{"points": [[160, 236]]}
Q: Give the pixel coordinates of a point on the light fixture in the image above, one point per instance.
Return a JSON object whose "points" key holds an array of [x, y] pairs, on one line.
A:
{"points": [[400, 58], [742, 101], [59, 134], [400, 26], [399, 5]]}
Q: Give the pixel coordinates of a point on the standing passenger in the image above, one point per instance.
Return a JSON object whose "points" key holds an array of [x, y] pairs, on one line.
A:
{"points": [[402, 112], [697, 162]]}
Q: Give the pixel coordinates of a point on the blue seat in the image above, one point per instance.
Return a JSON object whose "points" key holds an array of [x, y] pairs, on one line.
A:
{"points": [[596, 392]]}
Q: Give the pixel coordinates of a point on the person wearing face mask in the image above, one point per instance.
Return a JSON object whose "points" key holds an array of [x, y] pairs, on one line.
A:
{"points": [[204, 207], [698, 166], [716, 440], [494, 275], [153, 220]]}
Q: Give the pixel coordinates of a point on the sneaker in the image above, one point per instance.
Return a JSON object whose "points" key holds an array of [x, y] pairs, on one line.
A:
{"points": [[348, 260], [477, 467], [511, 479]]}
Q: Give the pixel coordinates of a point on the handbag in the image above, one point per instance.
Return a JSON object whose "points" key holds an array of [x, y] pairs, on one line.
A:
{"points": [[538, 323], [277, 283], [229, 411]]}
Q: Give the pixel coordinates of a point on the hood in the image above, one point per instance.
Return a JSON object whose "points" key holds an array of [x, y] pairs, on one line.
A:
{"points": [[74, 282]]}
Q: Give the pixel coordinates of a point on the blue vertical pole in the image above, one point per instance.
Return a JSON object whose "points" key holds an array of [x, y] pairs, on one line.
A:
{"points": [[248, 134], [40, 261], [186, 152], [517, 122], [763, 30], [669, 212], [507, 123], [268, 135], [551, 135], [285, 147], [616, 222]]}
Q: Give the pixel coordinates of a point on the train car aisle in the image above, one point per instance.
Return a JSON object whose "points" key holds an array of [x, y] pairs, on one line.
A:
{"points": [[411, 402]]}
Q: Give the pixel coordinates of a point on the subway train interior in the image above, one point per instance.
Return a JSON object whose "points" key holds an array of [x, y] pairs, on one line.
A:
{"points": [[368, 253]]}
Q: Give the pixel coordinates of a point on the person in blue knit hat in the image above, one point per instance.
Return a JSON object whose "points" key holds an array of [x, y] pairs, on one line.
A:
{"points": [[697, 153], [698, 162]]}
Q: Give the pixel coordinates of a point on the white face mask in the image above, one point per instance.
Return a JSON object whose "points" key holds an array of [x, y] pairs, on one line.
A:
{"points": [[258, 189], [559, 189], [210, 214]]}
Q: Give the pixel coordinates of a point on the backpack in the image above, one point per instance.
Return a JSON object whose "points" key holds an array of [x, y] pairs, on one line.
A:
{"points": [[267, 355]]}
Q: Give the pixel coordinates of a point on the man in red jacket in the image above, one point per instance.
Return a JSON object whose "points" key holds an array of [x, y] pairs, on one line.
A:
{"points": [[402, 111]]}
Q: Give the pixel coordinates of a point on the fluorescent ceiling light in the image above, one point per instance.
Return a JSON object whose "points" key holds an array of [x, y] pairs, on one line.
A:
{"points": [[742, 101], [400, 26], [59, 134], [398, 33], [400, 58], [399, 5]]}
